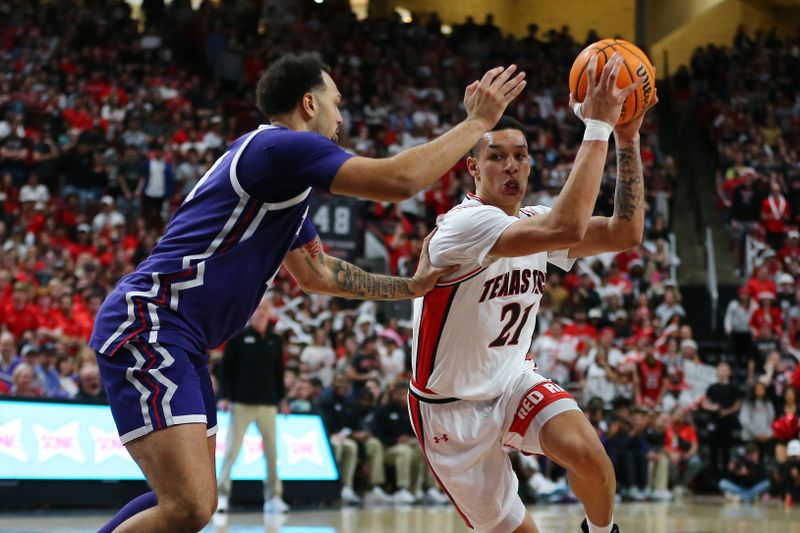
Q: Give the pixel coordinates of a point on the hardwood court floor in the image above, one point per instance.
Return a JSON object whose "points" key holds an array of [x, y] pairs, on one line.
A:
{"points": [[698, 516]]}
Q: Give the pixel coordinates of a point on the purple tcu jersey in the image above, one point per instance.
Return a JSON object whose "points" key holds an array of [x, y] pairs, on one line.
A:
{"points": [[205, 277]]}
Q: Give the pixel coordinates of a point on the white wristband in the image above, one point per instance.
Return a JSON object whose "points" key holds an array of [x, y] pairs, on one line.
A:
{"points": [[597, 130], [578, 110]]}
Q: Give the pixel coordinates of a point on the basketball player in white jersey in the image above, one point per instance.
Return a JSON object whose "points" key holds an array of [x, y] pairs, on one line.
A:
{"points": [[472, 391]]}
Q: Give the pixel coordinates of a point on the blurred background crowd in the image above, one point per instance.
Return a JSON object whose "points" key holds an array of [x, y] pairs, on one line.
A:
{"points": [[106, 124]]}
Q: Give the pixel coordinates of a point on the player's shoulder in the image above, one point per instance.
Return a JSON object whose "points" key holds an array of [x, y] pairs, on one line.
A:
{"points": [[533, 210], [269, 136], [470, 207]]}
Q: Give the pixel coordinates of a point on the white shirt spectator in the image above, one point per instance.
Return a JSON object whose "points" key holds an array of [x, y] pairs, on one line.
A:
{"points": [[670, 401], [615, 358], [423, 117], [188, 174], [35, 193], [157, 182], [320, 361], [598, 384], [553, 356], [109, 219], [68, 385], [737, 317], [112, 114], [393, 361], [664, 312]]}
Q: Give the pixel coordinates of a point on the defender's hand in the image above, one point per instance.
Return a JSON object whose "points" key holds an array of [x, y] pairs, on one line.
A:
{"points": [[487, 99], [427, 275]]}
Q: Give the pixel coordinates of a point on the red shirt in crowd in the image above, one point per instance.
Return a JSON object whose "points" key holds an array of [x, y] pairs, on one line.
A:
{"points": [[651, 379], [46, 315], [761, 317], [756, 286], [581, 330], [621, 282], [774, 213], [79, 119], [674, 435], [792, 252], [21, 320], [624, 259]]}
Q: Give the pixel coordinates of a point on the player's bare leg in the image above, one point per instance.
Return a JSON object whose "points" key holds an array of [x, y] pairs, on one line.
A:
{"points": [[178, 462], [527, 525], [569, 440]]}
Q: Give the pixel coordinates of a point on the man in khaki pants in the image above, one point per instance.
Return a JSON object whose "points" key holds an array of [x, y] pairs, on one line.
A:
{"points": [[251, 384], [392, 425], [346, 430]]}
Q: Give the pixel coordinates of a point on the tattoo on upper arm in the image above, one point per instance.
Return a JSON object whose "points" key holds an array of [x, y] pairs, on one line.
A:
{"points": [[357, 283], [629, 194]]}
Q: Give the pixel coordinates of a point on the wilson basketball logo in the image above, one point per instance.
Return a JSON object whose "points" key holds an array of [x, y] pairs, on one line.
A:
{"points": [[647, 86]]}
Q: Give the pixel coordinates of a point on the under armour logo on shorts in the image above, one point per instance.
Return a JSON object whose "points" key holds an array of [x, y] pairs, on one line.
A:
{"points": [[437, 439]]}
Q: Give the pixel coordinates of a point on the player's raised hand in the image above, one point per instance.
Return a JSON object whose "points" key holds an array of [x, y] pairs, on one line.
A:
{"points": [[427, 275], [604, 99], [487, 99]]}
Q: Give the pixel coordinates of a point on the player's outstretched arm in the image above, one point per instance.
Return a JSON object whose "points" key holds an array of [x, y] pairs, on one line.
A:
{"points": [[625, 227], [317, 272], [566, 224], [402, 176]]}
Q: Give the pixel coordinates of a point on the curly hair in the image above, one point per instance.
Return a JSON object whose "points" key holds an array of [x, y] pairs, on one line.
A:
{"points": [[284, 83]]}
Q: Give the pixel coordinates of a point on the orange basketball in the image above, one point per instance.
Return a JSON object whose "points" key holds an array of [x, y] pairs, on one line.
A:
{"points": [[637, 64]]}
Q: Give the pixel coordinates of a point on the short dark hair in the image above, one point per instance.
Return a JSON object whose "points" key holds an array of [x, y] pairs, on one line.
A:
{"points": [[505, 123], [286, 80]]}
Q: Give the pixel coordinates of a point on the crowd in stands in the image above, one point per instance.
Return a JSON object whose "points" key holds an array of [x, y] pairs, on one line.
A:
{"points": [[745, 96], [107, 124]]}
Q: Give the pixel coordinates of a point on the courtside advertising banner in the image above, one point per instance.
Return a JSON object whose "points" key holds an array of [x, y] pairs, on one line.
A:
{"points": [[54, 441]]}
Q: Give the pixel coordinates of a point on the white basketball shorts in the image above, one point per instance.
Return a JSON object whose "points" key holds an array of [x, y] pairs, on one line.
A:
{"points": [[463, 443]]}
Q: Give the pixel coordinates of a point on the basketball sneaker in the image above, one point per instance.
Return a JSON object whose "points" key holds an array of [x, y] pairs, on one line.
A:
{"points": [[585, 527], [349, 496], [275, 506], [403, 497], [435, 497], [222, 504], [376, 497]]}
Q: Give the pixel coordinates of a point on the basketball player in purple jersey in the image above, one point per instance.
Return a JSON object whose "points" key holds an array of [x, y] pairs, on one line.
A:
{"points": [[205, 277]]}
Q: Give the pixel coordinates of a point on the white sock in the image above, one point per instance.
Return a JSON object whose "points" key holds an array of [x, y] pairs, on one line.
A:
{"points": [[600, 529]]}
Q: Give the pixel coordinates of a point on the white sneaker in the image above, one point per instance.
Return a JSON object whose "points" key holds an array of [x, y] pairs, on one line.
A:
{"points": [[275, 505], [377, 497], [403, 497], [733, 497], [541, 485], [436, 497], [349, 496], [222, 504], [679, 492], [636, 495], [220, 521], [662, 495]]}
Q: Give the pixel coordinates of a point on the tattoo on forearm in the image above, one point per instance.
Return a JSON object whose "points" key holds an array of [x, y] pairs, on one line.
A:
{"points": [[312, 257], [313, 248], [629, 193], [357, 283]]}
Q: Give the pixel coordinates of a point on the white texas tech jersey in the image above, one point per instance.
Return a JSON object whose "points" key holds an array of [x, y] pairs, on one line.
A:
{"points": [[473, 331]]}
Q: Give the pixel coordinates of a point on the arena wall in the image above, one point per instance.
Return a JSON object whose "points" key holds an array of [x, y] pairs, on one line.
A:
{"points": [[616, 18]]}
